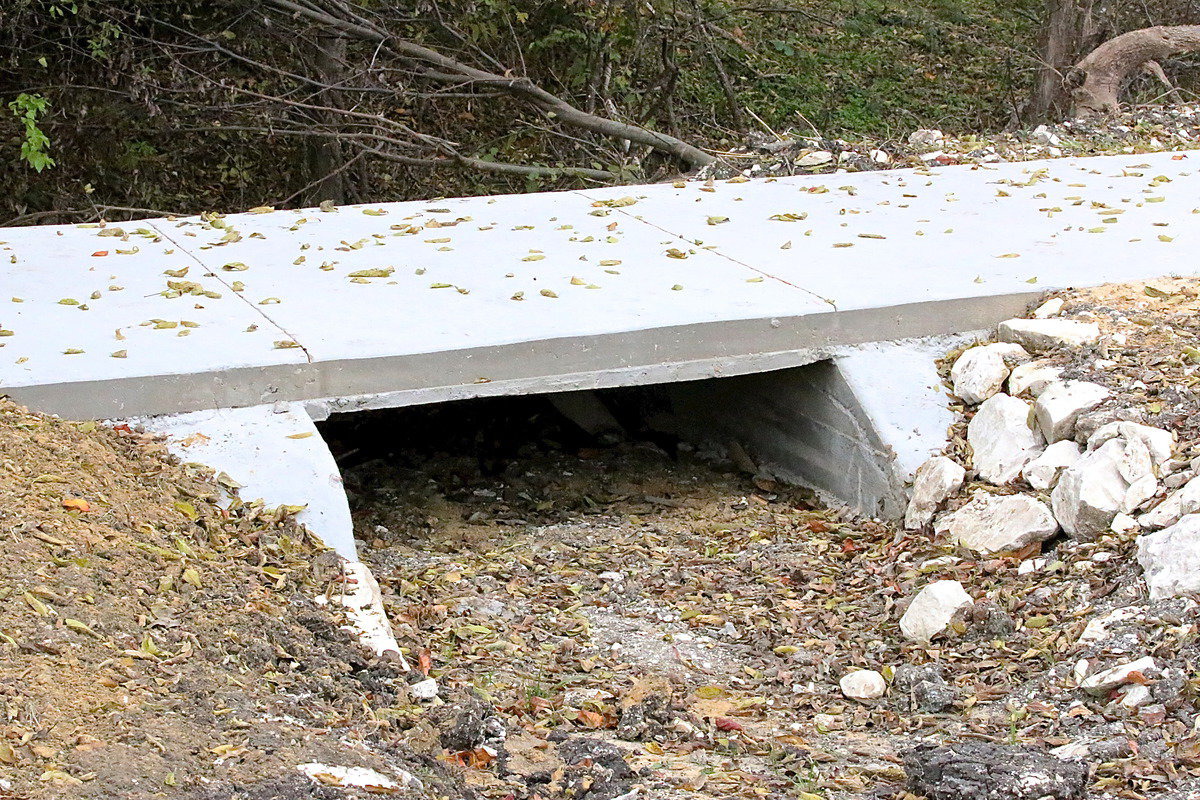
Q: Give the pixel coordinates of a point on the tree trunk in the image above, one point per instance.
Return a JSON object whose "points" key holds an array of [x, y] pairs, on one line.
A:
{"points": [[1096, 81], [325, 153], [1072, 28]]}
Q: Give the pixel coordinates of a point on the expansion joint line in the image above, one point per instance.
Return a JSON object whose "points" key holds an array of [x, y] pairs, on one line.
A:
{"points": [[209, 273], [719, 254]]}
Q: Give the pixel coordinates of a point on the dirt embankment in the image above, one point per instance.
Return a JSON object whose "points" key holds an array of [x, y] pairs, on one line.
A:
{"points": [[153, 644]]}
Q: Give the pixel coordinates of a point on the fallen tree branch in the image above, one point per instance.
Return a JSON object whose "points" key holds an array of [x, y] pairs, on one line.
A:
{"points": [[1096, 82], [442, 68], [96, 212], [1155, 69]]}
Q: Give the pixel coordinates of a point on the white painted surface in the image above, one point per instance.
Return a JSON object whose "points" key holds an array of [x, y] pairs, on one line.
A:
{"points": [[370, 780], [744, 291], [364, 603], [276, 453], [901, 392]]}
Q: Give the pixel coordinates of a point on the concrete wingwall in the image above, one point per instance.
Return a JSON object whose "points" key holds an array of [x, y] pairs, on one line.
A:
{"points": [[853, 427], [801, 426]]}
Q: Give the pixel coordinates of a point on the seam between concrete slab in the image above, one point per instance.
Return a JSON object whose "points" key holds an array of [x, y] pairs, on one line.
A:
{"points": [[717, 252], [208, 272]]}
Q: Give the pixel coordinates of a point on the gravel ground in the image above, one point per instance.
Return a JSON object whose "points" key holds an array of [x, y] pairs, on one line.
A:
{"points": [[1146, 129]]}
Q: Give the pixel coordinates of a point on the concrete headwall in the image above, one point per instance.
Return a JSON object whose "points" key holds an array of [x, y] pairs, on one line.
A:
{"points": [[801, 426]]}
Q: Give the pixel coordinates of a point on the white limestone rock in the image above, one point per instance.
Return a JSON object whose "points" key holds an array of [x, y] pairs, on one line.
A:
{"points": [[1002, 438], [932, 609], [935, 480], [1033, 377], [1043, 135], [1170, 558], [863, 684], [1046, 334], [1091, 491], [1043, 472], [1092, 421], [1051, 308], [1123, 524], [1058, 407], [1177, 505], [1135, 696], [816, 158], [424, 690], [1097, 629], [1159, 443], [925, 137], [978, 374], [981, 371], [1105, 681], [991, 524], [1117, 474]]}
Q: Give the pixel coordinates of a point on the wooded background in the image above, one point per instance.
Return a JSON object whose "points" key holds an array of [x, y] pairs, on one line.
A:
{"points": [[166, 106]]}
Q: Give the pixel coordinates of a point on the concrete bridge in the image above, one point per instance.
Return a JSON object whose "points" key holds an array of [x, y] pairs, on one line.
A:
{"points": [[248, 327]]}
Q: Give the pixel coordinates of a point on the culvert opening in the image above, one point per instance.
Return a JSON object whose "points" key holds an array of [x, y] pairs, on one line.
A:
{"points": [[539, 457], [583, 586], [523, 460]]}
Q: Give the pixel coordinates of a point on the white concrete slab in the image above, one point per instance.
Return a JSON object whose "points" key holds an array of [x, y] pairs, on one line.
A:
{"points": [[688, 299], [452, 287], [275, 453], [84, 312], [883, 239]]}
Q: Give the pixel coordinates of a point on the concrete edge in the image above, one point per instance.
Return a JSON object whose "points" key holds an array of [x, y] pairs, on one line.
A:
{"points": [[651, 355]]}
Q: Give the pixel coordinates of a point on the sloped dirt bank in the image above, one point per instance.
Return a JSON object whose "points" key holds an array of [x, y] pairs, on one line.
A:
{"points": [[154, 645]]}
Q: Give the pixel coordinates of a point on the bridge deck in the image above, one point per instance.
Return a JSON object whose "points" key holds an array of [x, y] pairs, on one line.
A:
{"points": [[413, 302]]}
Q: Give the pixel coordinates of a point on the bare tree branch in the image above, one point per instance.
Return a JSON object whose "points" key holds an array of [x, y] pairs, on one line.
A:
{"points": [[440, 67]]}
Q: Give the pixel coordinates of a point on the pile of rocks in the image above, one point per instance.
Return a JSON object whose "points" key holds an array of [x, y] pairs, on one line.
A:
{"points": [[1052, 456], [1102, 469], [1138, 130]]}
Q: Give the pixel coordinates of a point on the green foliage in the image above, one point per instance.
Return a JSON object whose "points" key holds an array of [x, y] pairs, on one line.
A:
{"points": [[101, 42], [843, 66], [58, 10], [27, 108]]}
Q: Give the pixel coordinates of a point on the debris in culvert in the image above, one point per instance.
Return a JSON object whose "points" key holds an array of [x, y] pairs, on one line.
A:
{"points": [[921, 688], [974, 770], [648, 712], [595, 770]]}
